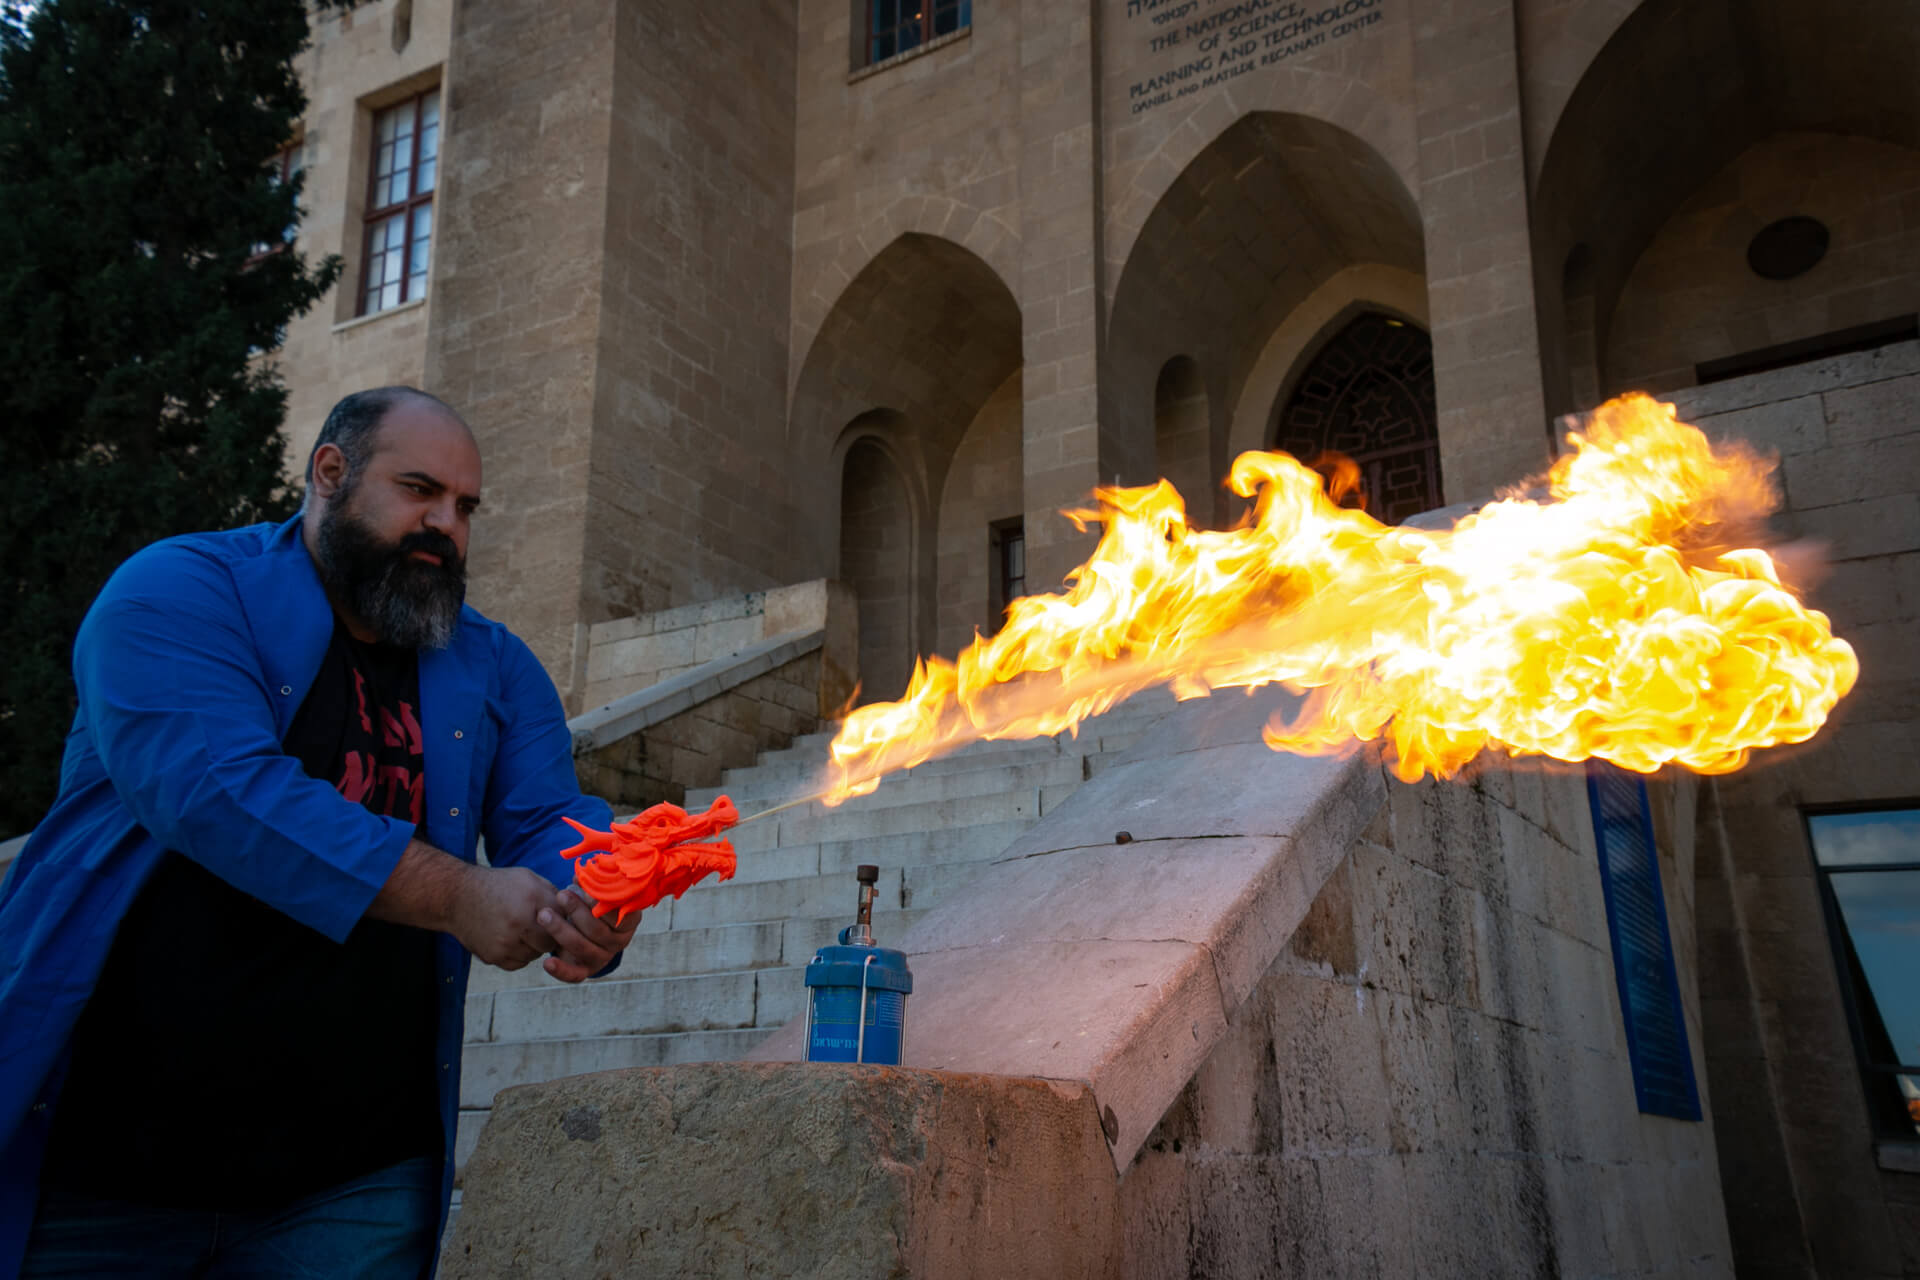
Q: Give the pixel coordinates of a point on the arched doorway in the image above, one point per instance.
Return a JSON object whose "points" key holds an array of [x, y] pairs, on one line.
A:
{"points": [[1369, 395], [876, 560], [901, 368], [1276, 208]]}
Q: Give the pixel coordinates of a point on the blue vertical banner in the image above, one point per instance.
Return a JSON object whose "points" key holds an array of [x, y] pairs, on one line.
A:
{"points": [[1642, 947]]}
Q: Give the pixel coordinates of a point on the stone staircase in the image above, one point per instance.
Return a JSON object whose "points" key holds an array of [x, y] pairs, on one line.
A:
{"points": [[713, 973]]}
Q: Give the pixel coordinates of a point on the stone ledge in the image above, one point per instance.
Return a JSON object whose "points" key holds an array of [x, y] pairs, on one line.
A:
{"points": [[1117, 966], [788, 1169], [1833, 373], [622, 717]]}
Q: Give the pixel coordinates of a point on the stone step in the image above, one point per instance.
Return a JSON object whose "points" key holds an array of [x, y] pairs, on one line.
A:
{"points": [[915, 885], [1025, 804], [980, 755], [803, 897], [713, 972], [488, 1068], [1148, 705], [944, 844], [970, 843], [812, 749], [913, 788], [766, 944], [635, 1006], [811, 824], [804, 937]]}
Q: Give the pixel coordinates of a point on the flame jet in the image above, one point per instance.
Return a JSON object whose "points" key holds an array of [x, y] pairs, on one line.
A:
{"points": [[1626, 617]]}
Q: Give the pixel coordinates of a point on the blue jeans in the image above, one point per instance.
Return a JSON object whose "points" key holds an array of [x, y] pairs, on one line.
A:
{"points": [[379, 1227]]}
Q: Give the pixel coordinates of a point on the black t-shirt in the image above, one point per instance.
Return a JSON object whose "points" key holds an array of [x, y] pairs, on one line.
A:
{"points": [[232, 1058]]}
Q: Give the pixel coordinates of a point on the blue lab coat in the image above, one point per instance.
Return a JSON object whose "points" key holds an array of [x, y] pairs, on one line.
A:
{"points": [[190, 666]]}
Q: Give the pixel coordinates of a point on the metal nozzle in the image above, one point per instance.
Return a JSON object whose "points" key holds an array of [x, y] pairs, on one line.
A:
{"points": [[861, 934]]}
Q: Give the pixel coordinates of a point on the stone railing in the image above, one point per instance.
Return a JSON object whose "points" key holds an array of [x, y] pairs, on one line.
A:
{"points": [[687, 693]]}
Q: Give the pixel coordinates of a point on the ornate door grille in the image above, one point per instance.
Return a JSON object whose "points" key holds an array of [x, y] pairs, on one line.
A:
{"points": [[1369, 395]]}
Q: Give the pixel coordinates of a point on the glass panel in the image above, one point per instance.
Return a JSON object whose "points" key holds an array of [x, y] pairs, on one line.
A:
{"points": [[393, 163], [1880, 911], [429, 142], [1013, 565], [946, 17], [422, 250], [907, 36], [1866, 839], [386, 263], [382, 175]]}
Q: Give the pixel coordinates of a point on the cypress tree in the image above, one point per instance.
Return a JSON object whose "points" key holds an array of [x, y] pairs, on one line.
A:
{"points": [[145, 279]]}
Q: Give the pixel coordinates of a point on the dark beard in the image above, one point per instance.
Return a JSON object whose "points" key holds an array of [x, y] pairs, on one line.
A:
{"points": [[409, 603]]}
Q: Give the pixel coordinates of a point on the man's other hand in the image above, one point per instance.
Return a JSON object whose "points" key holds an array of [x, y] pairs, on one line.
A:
{"points": [[497, 915], [587, 942]]}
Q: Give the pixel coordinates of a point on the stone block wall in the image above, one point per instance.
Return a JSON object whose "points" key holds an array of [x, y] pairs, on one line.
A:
{"points": [[688, 483], [517, 288], [358, 61], [764, 713], [1433, 1078], [695, 747], [629, 654], [1692, 296], [1809, 1189]]}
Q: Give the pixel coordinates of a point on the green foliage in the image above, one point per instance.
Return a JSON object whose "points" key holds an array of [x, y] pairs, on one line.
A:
{"points": [[135, 139]]}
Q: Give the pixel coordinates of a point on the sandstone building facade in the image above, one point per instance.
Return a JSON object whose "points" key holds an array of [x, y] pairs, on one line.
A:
{"points": [[740, 296]]}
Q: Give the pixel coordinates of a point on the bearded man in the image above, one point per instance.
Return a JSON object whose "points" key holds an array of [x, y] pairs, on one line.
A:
{"points": [[233, 958]]}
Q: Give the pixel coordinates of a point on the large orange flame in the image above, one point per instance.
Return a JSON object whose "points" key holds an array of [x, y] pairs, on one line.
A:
{"points": [[1624, 618]]}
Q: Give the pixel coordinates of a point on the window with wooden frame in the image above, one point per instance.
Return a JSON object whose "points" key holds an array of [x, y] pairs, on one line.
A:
{"points": [[399, 236], [896, 26], [1868, 864]]}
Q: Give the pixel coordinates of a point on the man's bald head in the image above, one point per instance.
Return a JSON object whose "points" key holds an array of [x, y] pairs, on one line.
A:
{"points": [[353, 425]]}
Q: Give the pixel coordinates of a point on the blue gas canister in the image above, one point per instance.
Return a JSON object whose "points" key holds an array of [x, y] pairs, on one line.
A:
{"points": [[857, 992]]}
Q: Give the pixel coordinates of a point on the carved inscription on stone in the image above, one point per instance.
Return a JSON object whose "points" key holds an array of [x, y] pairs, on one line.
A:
{"points": [[1201, 43]]}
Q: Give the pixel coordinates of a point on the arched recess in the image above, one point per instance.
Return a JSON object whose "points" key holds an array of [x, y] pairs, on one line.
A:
{"points": [[1275, 208], [1678, 92], [823, 271], [1368, 395], [1693, 303], [912, 350], [1183, 439], [879, 529], [984, 496]]}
